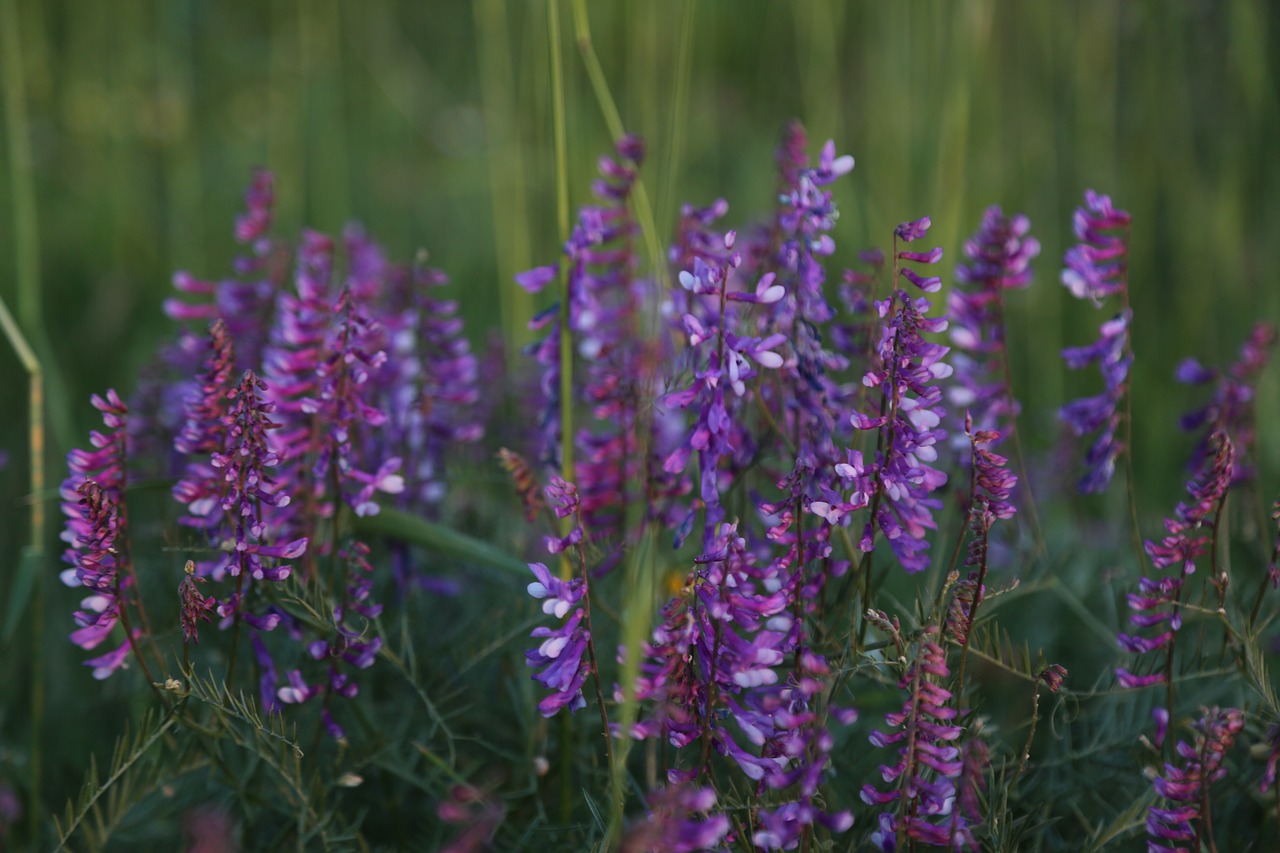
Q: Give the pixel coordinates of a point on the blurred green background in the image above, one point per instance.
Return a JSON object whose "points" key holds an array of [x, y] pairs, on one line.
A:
{"points": [[130, 129], [431, 124]]}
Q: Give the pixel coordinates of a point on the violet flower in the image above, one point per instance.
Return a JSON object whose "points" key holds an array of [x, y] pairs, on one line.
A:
{"points": [[1155, 607], [924, 779], [813, 408], [603, 298], [105, 464], [226, 498], [97, 536], [245, 303], [724, 361], [1232, 405], [561, 657], [1186, 785], [101, 569], [429, 387], [678, 819], [788, 721], [320, 364], [195, 606], [1096, 268], [348, 646], [1000, 255], [898, 484], [991, 490]]}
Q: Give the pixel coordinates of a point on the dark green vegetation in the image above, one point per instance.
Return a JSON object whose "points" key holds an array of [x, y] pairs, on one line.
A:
{"points": [[130, 131]]}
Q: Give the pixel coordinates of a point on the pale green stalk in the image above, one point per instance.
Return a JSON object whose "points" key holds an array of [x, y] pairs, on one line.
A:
{"points": [[27, 262], [679, 109], [562, 228], [566, 343], [613, 120], [506, 171]]}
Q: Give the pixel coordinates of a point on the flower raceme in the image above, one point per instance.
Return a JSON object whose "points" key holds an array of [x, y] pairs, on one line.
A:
{"points": [[898, 484], [999, 259], [1192, 531], [1096, 268], [1185, 785]]}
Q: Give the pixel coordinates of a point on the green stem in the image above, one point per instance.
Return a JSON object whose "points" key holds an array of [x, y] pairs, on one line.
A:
{"points": [[562, 226], [613, 120], [26, 251], [506, 171], [1030, 500]]}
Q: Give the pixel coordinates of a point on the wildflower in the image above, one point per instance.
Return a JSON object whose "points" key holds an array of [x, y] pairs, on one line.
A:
{"points": [[1232, 405], [1155, 607], [924, 779], [245, 303], [100, 568], [726, 360], [559, 657], [1096, 268], [1000, 255], [105, 465], [899, 482], [229, 495], [1186, 786], [679, 818]]}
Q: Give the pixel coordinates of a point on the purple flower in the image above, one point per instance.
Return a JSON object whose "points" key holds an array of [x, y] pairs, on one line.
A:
{"points": [[1232, 405], [603, 297], [1096, 268], [999, 258], [678, 819], [479, 814], [105, 464], [99, 546], [898, 484], [1186, 785], [1155, 607], [924, 779], [97, 537], [226, 496], [560, 657], [722, 361]]}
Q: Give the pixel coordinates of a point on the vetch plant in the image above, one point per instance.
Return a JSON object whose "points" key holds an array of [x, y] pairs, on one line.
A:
{"points": [[731, 471]]}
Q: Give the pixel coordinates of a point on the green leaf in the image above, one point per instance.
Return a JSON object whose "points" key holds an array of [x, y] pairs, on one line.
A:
{"points": [[406, 527], [20, 590]]}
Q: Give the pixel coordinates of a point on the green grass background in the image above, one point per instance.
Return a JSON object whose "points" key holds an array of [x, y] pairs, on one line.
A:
{"points": [[431, 124]]}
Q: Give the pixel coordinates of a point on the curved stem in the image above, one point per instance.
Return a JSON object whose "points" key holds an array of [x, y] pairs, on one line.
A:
{"points": [[613, 120]]}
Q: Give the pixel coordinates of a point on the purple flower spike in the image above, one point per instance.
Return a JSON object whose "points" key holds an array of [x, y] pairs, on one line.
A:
{"points": [[259, 199], [902, 477], [924, 779], [1155, 607], [1186, 784], [101, 571], [195, 606], [1096, 268], [561, 657], [1232, 405], [999, 258]]}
